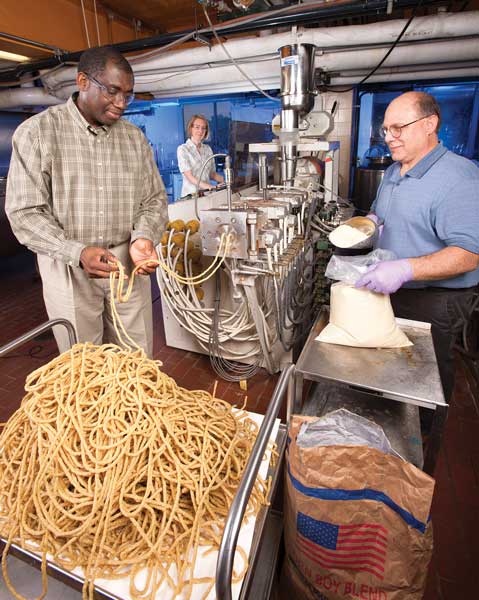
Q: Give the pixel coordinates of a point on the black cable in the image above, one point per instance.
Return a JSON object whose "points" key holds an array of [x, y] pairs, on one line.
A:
{"points": [[301, 289], [395, 43], [312, 210], [292, 312], [461, 329]]}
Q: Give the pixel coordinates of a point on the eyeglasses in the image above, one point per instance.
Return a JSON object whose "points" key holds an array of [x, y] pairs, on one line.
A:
{"points": [[112, 93], [396, 130]]}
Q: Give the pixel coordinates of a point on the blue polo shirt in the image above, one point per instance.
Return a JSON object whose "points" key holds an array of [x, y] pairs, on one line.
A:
{"points": [[434, 205]]}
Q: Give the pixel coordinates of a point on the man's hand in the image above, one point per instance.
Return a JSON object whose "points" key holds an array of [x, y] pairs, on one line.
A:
{"points": [[96, 262], [141, 250], [386, 277]]}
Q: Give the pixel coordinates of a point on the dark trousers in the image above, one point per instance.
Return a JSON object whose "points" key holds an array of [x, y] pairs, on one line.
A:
{"points": [[446, 309]]}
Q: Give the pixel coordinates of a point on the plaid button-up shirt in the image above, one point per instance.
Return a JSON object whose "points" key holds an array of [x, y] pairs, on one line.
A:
{"points": [[71, 185]]}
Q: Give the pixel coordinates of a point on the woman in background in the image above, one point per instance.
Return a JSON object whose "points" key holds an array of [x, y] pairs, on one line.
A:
{"points": [[192, 154]]}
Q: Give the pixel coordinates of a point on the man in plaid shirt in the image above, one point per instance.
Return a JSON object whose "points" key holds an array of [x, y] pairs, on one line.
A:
{"points": [[84, 192]]}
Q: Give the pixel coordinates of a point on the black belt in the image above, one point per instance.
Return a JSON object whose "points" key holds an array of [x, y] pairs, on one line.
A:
{"points": [[431, 288]]}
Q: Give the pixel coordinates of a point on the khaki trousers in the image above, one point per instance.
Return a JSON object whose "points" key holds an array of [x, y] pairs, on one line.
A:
{"points": [[70, 294]]}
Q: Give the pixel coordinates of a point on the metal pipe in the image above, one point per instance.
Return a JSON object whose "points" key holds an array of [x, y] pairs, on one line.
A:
{"points": [[288, 137], [313, 15], [27, 96], [199, 180], [252, 220], [228, 181], [32, 43], [263, 175], [224, 566], [19, 341], [412, 75]]}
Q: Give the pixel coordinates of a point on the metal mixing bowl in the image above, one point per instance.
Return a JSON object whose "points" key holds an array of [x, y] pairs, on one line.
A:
{"points": [[368, 227]]}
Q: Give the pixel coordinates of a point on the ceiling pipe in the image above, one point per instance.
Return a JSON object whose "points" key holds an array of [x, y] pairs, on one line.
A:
{"points": [[445, 25], [450, 71], [333, 10], [267, 73], [430, 52], [404, 70], [27, 96], [162, 77], [463, 69], [31, 43]]}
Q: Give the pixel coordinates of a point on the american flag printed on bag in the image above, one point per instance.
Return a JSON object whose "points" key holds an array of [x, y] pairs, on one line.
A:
{"points": [[359, 547]]}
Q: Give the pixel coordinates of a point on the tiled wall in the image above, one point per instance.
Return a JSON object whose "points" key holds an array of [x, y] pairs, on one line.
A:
{"points": [[341, 133]]}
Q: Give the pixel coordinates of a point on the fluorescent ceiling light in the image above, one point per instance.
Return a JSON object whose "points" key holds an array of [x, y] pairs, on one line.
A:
{"points": [[11, 56]]}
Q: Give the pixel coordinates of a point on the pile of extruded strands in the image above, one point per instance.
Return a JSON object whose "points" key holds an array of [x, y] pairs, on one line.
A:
{"points": [[109, 466]]}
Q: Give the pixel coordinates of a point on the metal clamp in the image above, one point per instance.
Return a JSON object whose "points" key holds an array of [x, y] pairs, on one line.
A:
{"points": [[19, 341], [224, 566]]}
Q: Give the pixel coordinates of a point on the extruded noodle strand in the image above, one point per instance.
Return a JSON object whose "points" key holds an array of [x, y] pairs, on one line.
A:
{"points": [[110, 466]]}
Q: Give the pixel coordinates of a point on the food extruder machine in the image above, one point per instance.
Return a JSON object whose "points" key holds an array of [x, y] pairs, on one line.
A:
{"points": [[258, 308]]}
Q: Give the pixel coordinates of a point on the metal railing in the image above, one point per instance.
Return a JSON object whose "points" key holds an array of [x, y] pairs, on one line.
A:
{"points": [[30, 335], [224, 566]]}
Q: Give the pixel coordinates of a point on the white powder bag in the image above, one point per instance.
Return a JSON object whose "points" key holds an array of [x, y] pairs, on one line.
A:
{"points": [[361, 318]]}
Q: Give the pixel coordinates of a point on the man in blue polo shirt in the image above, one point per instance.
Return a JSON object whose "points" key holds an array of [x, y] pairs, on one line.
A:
{"points": [[429, 202]]}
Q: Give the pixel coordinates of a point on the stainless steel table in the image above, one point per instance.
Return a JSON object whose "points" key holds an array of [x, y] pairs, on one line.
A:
{"points": [[406, 374]]}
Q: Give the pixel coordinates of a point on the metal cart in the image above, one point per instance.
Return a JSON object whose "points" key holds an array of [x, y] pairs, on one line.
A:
{"points": [[408, 375]]}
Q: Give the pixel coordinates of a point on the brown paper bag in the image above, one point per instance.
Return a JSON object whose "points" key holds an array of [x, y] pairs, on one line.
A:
{"points": [[357, 523]]}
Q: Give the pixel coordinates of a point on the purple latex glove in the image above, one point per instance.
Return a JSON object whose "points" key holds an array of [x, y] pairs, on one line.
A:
{"points": [[386, 277], [379, 222]]}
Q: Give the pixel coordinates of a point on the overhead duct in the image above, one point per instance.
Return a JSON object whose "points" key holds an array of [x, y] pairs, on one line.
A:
{"points": [[317, 11], [194, 80], [448, 71], [266, 73], [27, 96], [443, 26], [443, 38]]}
